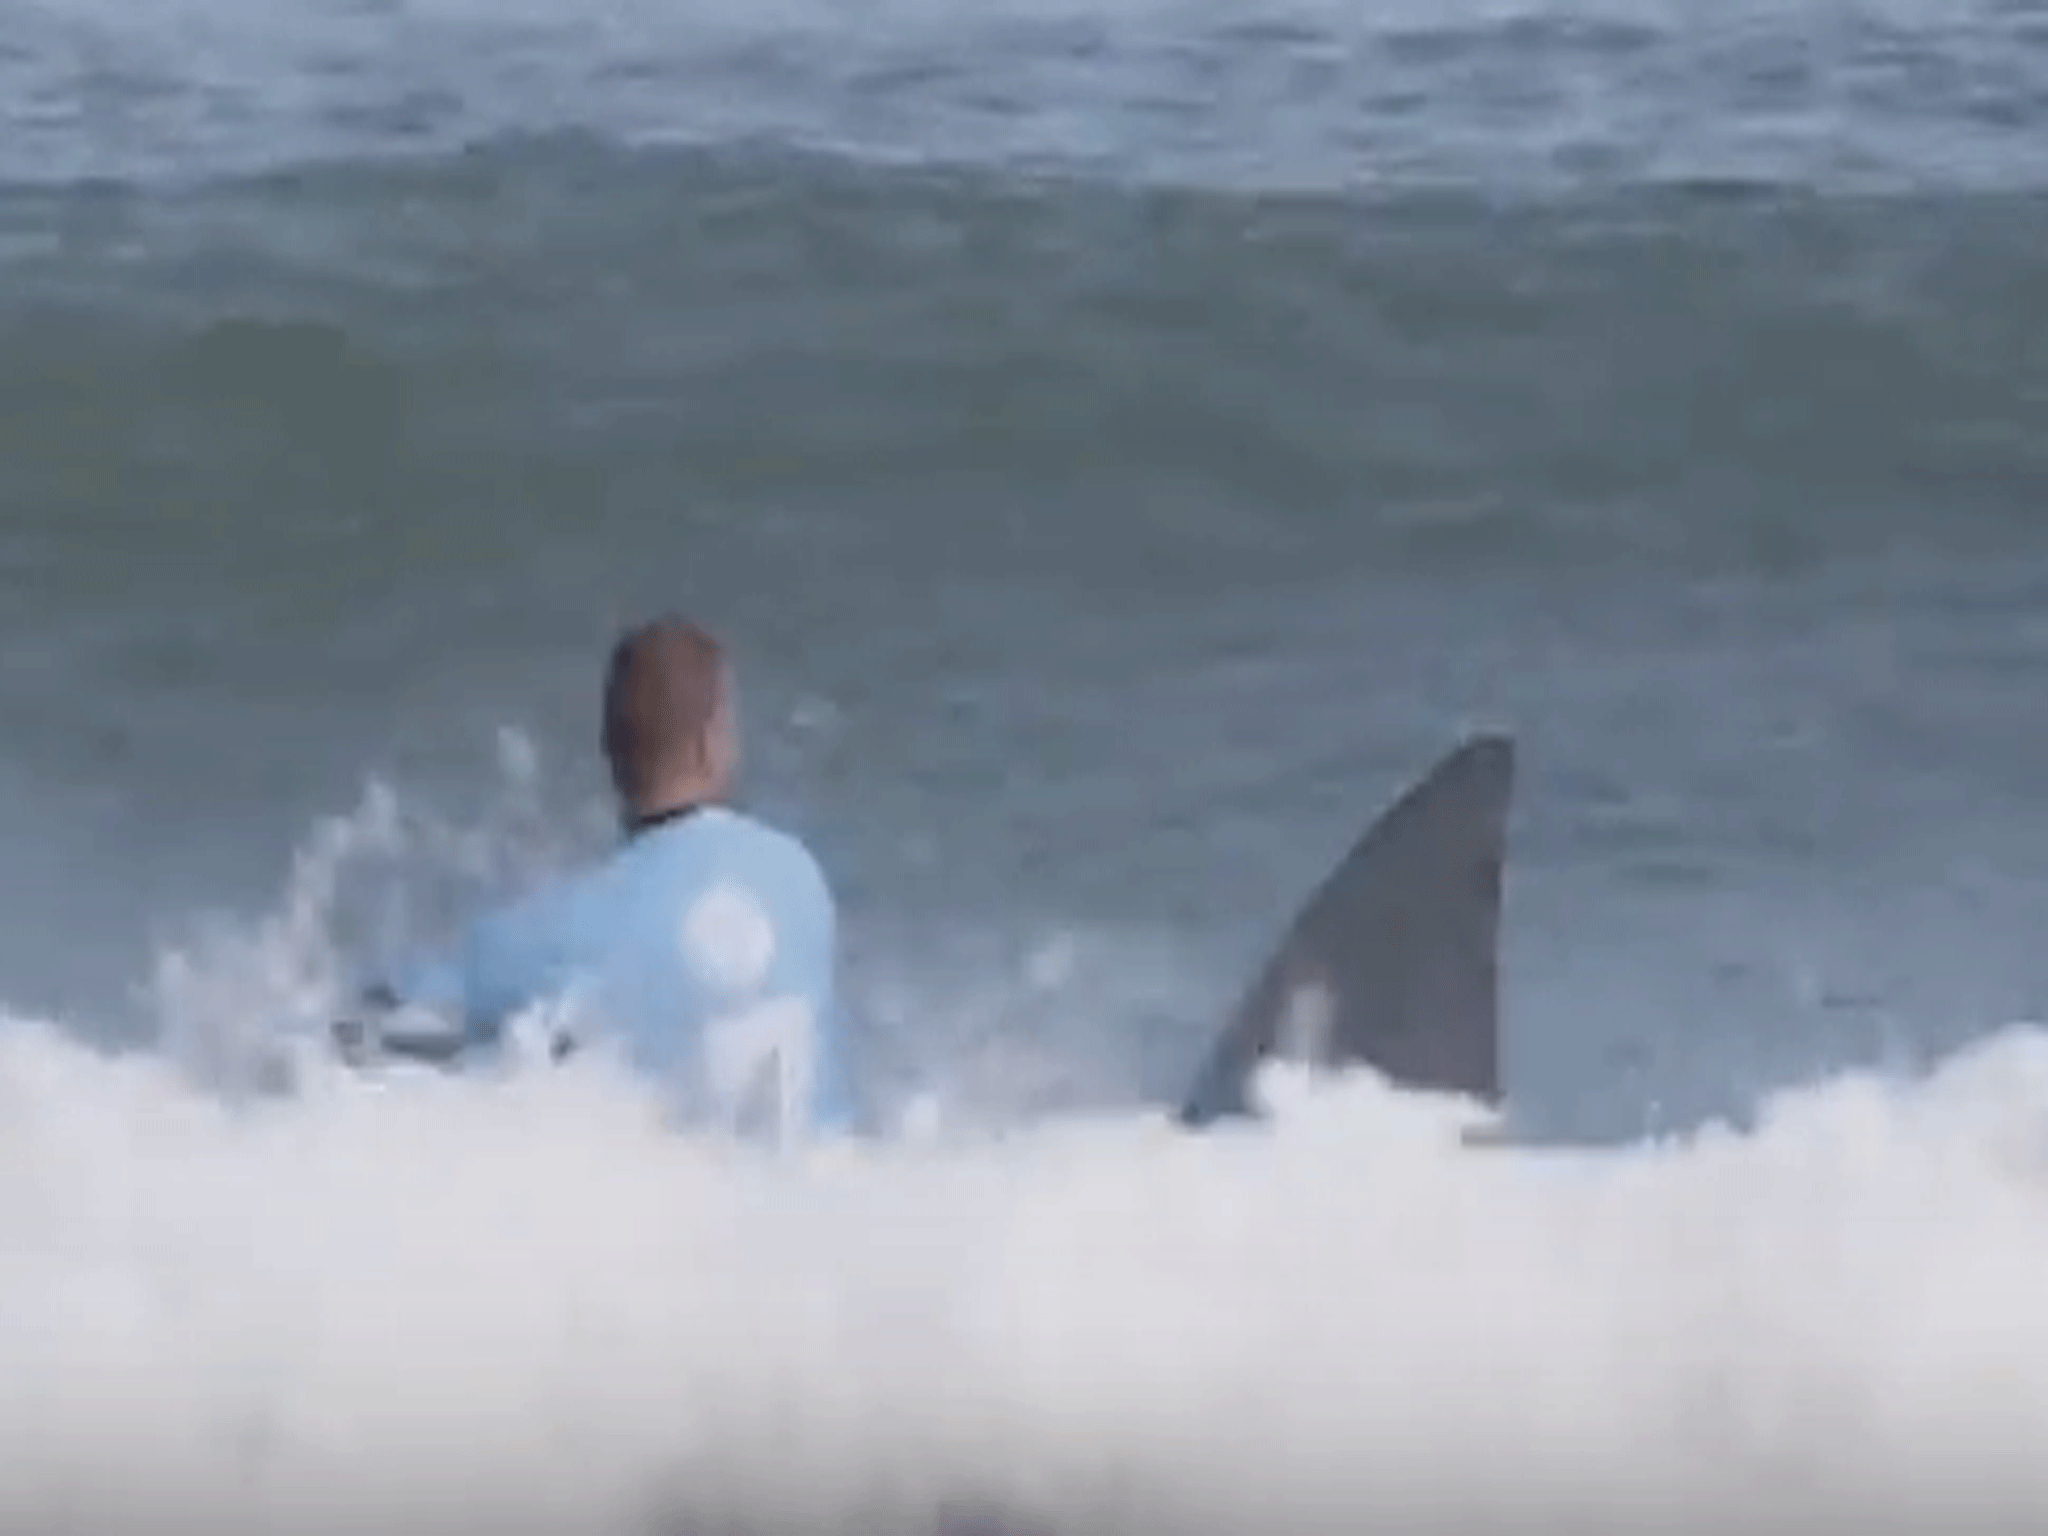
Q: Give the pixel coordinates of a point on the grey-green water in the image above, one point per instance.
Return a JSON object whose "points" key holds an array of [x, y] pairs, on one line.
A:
{"points": [[1099, 557], [1123, 445]]}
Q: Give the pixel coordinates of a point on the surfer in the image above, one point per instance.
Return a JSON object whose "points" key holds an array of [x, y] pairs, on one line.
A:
{"points": [[706, 942]]}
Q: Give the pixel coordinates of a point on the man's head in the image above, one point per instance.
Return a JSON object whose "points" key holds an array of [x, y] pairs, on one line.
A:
{"points": [[669, 728]]}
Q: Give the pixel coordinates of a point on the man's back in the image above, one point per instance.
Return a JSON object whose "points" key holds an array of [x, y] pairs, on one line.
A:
{"points": [[705, 946]]}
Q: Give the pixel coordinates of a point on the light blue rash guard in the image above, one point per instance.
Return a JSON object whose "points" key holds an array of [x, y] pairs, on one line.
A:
{"points": [[705, 946]]}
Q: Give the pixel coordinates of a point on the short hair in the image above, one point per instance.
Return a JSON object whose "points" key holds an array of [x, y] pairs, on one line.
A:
{"points": [[664, 691]]}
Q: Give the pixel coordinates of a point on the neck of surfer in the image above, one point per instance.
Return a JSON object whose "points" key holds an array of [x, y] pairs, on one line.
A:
{"points": [[675, 797]]}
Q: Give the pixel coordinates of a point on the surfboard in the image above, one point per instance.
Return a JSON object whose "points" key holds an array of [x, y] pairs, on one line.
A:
{"points": [[1393, 962]]}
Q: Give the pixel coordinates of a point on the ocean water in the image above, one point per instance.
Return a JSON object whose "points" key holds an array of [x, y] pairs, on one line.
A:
{"points": [[1124, 443]]}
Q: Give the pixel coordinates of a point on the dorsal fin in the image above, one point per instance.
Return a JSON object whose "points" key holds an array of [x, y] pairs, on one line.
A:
{"points": [[1394, 961]]}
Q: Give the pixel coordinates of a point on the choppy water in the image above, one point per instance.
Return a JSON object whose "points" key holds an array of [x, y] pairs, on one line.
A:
{"points": [[1123, 445]]}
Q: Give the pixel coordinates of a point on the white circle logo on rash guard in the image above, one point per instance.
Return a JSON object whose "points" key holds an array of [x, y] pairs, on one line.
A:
{"points": [[728, 939]]}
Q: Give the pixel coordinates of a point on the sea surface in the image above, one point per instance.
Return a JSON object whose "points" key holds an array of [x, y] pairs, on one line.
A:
{"points": [[1123, 443]]}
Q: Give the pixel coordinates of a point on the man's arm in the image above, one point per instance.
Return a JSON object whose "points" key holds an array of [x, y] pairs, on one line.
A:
{"points": [[439, 1009]]}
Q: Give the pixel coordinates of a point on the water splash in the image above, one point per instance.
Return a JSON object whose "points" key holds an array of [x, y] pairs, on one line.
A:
{"points": [[522, 1300]]}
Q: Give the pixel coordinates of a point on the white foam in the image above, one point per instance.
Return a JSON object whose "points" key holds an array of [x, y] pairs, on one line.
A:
{"points": [[521, 1301]]}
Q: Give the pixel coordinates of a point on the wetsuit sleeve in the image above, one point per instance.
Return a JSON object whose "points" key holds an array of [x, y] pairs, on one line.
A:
{"points": [[514, 959], [832, 1099], [506, 962]]}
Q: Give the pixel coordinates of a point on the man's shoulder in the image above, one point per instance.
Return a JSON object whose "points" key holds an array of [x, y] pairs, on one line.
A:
{"points": [[736, 842], [750, 899]]}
